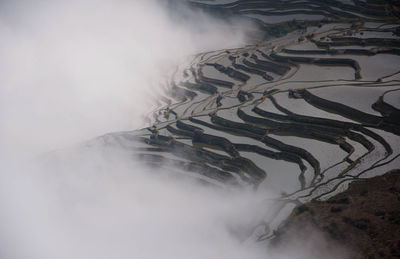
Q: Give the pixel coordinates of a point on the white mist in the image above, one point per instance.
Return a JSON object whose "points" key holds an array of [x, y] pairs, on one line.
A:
{"points": [[72, 70]]}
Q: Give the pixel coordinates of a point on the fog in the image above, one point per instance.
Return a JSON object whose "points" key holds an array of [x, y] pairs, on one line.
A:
{"points": [[89, 63], [74, 70]]}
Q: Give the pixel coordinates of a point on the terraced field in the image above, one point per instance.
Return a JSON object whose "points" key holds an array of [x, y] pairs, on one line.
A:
{"points": [[312, 107]]}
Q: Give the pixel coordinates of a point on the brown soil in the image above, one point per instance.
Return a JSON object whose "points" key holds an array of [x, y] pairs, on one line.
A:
{"points": [[364, 220]]}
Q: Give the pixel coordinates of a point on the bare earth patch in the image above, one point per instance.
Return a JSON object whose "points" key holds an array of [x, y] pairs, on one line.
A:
{"points": [[364, 220]]}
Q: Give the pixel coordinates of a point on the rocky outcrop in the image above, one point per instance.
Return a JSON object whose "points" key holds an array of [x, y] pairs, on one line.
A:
{"points": [[364, 220]]}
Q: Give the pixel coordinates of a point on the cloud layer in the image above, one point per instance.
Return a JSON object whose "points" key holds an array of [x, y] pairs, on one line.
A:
{"points": [[72, 70]]}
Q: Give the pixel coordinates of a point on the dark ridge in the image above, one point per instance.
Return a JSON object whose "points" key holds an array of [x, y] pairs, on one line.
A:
{"points": [[260, 67], [203, 156], [289, 157], [273, 67], [251, 131], [187, 127], [202, 87], [338, 108], [253, 71], [278, 106], [391, 113], [181, 94], [322, 133], [214, 81], [230, 72], [320, 61], [315, 11], [348, 41], [179, 131], [365, 52], [348, 112], [345, 12], [214, 141], [325, 122]]}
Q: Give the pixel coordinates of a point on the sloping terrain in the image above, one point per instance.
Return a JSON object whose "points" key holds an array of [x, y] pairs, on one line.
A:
{"points": [[303, 115], [364, 220]]}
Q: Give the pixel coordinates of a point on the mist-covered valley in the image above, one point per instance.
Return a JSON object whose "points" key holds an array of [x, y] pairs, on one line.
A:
{"points": [[190, 129]]}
